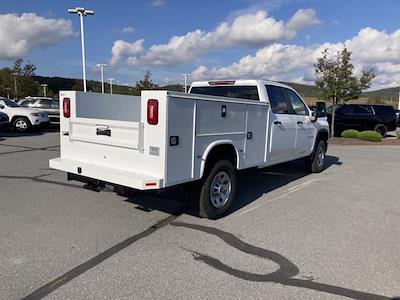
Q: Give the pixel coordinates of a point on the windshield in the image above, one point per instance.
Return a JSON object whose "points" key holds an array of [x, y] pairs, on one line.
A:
{"points": [[10, 103]]}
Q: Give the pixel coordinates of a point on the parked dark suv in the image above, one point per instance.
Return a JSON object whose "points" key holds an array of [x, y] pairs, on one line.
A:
{"points": [[381, 118]]}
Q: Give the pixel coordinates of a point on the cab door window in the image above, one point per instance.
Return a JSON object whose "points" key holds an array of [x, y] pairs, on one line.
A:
{"points": [[298, 106], [277, 99]]}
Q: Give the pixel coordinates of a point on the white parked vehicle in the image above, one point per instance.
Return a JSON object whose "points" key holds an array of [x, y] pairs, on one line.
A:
{"points": [[22, 119], [166, 138]]}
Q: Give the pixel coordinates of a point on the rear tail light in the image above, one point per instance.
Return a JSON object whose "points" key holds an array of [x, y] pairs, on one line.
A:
{"points": [[152, 111], [66, 107]]}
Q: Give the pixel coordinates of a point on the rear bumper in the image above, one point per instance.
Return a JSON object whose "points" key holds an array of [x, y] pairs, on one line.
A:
{"points": [[106, 174]]}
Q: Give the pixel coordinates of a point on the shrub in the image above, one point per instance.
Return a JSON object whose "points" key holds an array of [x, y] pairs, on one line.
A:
{"points": [[350, 133], [370, 135]]}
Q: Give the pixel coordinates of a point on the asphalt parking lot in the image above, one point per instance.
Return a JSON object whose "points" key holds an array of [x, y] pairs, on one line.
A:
{"points": [[291, 235]]}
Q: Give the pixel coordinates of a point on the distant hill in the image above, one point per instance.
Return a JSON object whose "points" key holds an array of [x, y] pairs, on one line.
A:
{"points": [[55, 84], [391, 94]]}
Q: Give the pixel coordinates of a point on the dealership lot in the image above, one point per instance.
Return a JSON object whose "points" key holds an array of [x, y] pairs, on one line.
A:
{"points": [[293, 235]]}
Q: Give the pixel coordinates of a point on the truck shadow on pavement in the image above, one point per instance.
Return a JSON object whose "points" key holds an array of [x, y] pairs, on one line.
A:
{"points": [[252, 184], [284, 275]]}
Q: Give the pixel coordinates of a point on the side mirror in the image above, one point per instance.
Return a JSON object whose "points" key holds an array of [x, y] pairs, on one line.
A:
{"points": [[320, 109], [313, 116]]}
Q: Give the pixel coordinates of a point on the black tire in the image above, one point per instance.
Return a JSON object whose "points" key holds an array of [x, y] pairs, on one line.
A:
{"points": [[216, 205], [315, 163], [382, 129], [22, 124]]}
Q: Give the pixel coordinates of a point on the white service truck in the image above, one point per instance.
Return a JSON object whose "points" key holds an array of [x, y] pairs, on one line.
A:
{"points": [[165, 138]]}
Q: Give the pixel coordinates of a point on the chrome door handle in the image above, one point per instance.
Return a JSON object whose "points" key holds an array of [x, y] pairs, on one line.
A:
{"points": [[277, 122], [299, 123]]}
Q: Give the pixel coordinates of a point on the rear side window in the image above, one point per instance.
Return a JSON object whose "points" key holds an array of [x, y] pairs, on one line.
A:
{"points": [[362, 110], [277, 99], [345, 110], [44, 104], [384, 110], [236, 91], [297, 104]]}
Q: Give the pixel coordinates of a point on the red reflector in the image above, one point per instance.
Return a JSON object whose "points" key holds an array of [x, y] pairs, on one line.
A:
{"points": [[151, 184], [66, 107], [225, 82], [152, 111]]}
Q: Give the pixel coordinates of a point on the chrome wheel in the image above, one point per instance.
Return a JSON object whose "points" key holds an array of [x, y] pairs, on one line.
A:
{"points": [[320, 156], [220, 190], [21, 125]]}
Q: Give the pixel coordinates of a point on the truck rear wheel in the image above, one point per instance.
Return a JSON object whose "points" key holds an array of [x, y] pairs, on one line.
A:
{"points": [[218, 190]]}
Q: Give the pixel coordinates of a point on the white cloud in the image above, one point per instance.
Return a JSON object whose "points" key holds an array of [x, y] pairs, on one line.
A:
{"points": [[157, 3], [128, 51], [248, 30], [128, 29], [21, 33], [370, 49], [303, 18]]}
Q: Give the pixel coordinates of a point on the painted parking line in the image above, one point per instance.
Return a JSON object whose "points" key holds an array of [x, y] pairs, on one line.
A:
{"points": [[283, 195]]}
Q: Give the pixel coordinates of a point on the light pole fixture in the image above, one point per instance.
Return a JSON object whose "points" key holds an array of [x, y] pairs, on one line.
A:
{"points": [[111, 80], [186, 77], [82, 13], [44, 86], [101, 66]]}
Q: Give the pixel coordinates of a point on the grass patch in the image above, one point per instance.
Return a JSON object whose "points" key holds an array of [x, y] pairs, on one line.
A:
{"points": [[398, 134], [350, 133], [370, 135]]}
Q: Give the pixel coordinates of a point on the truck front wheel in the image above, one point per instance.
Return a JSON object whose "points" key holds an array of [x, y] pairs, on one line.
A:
{"points": [[22, 124], [316, 162], [218, 190]]}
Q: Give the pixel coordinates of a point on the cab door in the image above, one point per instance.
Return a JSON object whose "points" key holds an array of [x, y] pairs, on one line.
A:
{"points": [[305, 130], [282, 124]]}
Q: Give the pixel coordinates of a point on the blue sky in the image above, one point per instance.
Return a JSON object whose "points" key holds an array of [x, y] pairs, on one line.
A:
{"points": [[278, 39]]}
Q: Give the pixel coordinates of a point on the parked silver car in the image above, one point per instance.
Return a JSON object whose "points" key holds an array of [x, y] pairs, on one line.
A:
{"points": [[48, 105]]}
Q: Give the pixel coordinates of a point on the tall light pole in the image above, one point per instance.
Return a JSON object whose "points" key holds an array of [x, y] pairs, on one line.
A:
{"points": [[15, 84], [186, 77], [101, 66], [82, 13], [111, 80], [8, 92], [44, 86]]}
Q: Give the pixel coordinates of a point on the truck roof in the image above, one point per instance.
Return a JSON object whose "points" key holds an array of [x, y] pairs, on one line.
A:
{"points": [[233, 82]]}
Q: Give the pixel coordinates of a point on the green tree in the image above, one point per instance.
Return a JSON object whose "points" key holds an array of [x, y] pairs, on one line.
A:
{"points": [[335, 77], [145, 84]]}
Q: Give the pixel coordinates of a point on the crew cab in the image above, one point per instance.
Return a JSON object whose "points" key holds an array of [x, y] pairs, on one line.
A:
{"points": [[164, 138], [22, 119]]}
